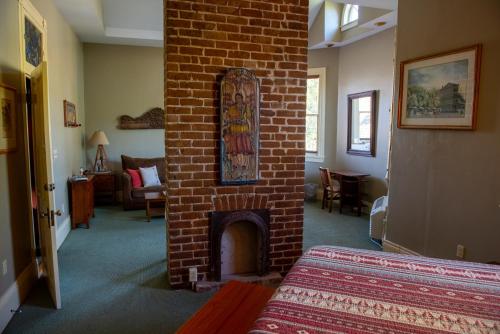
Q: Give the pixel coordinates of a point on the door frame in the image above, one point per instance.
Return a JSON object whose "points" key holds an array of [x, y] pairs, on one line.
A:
{"points": [[26, 9]]}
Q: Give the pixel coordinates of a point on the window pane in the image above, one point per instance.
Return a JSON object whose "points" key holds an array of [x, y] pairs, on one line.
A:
{"points": [[365, 104], [312, 133], [33, 43], [350, 14], [364, 125], [312, 96], [312, 104], [353, 13]]}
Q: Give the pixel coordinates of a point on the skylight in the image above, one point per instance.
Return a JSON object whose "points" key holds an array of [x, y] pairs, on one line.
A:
{"points": [[349, 16]]}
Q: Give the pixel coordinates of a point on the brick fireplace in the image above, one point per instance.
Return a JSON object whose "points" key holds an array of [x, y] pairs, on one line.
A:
{"points": [[203, 39]]}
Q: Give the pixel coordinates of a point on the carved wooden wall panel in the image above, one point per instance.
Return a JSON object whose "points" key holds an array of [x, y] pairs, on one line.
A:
{"points": [[152, 119]]}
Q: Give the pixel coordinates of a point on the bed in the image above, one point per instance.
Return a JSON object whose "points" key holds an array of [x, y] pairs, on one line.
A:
{"points": [[343, 290]]}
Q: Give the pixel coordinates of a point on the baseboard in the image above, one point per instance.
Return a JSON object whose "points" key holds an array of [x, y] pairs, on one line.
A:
{"points": [[62, 231], [15, 294], [392, 247]]}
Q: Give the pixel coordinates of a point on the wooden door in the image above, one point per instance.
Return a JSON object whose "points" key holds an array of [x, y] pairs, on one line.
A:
{"points": [[44, 180]]}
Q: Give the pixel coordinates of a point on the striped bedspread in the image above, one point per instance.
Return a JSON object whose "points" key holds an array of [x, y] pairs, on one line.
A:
{"points": [[343, 290]]}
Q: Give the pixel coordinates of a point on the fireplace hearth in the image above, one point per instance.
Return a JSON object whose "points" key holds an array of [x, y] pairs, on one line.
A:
{"points": [[222, 221]]}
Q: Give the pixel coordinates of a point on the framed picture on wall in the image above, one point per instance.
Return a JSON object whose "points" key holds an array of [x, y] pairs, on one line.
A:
{"points": [[440, 91], [8, 135], [70, 115]]}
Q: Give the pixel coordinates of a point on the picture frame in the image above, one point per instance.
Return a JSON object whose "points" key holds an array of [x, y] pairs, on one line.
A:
{"points": [[440, 91], [362, 123], [8, 119], [70, 115], [239, 127]]}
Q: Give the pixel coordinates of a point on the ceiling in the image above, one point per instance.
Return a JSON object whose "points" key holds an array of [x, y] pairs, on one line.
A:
{"points": [[129, 22], [140, 22], [325, 21]]}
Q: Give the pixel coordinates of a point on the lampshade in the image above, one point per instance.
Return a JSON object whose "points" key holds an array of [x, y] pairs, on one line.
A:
{"points": [[98, 138]]}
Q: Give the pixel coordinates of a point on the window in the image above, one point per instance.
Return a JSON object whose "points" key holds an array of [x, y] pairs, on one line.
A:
{"points": [[312, 114], [32, 42], [32, 37], [315, 114], [349, 16]]}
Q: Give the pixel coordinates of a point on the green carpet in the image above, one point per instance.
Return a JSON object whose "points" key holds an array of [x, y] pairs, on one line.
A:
{"points": [[324, 228], [113, 275], [113, 280]]}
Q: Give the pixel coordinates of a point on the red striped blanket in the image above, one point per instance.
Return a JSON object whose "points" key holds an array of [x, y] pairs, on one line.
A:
{"points": [[342, 290]]}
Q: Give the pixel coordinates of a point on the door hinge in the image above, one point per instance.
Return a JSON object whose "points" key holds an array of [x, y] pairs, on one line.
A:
{"points": [[50, 187]]}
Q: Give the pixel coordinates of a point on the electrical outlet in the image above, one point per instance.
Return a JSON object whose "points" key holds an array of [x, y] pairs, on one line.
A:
{"points": [[460, 251], [193, 274], [4, 267]]}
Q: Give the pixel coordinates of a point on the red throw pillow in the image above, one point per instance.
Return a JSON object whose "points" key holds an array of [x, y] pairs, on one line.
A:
{"points": [[136, 177]]}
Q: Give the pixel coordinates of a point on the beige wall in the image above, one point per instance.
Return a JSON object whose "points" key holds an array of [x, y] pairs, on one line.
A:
{"points": [[65, 59], [445, 185], [123, 80], [329, 59], [358, 67], [14, 227], [363, 66]]}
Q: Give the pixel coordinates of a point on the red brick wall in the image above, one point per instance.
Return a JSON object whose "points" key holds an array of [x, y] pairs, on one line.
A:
{"points": [[203, 38]]}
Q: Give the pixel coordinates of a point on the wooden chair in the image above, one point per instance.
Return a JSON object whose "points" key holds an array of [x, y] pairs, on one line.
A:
{"points": [[331, 191]]}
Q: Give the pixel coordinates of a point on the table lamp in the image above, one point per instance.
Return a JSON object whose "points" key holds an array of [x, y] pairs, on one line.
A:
{"points": [[99, 139]]}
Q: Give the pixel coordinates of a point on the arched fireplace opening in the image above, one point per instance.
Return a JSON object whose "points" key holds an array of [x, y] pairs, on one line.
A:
{"points": [[240, 249], [239, 243]]}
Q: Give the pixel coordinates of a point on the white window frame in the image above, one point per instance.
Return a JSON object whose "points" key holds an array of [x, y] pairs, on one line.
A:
{"points": [[345, 26], [319, 156]]}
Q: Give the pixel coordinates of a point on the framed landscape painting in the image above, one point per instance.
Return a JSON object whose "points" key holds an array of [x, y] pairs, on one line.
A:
{"points": [[440, 91], [8, 135]]}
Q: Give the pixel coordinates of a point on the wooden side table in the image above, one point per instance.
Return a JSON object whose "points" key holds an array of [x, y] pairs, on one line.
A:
{"points": [[81, 199], [155, 204], [104, 187]]}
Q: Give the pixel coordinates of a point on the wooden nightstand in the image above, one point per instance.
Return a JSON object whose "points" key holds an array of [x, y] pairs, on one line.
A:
{"points": [[104, 187], [81, 199]]}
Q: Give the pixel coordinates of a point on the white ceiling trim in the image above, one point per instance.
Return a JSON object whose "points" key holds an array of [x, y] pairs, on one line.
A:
{"points": [[134, 33]]}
